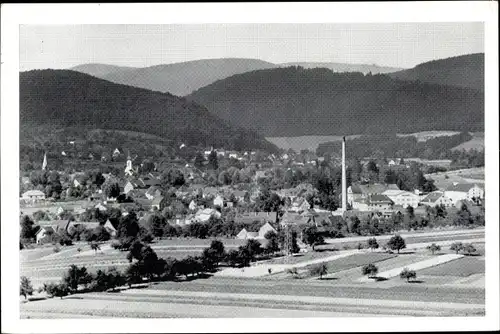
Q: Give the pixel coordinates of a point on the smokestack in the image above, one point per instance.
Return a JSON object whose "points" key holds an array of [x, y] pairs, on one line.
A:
{"points": [[344, 178]]}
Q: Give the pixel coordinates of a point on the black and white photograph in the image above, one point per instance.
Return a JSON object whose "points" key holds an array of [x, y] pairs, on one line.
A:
{"points": [[221, 169]]}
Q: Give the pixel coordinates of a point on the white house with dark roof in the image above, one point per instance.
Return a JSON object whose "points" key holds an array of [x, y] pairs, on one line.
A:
{"points": [[461, 191], [44, 234], [33, 195], [437, 198], [403, 198]]}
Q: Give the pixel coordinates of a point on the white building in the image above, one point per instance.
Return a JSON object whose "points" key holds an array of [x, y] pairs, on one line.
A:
{"points": [[437, 198], [33, 195], [403, 198], [219, 201], [460, 191]]}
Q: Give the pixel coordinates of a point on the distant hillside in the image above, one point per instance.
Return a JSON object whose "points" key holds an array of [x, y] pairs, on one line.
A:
{"points": [[183, 78], [344, 67], [62, 98], [100, 70], [462, 71], [294, 101]]}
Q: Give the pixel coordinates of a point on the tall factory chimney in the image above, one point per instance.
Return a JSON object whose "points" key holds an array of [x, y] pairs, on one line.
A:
{"points": [[344, 178]]}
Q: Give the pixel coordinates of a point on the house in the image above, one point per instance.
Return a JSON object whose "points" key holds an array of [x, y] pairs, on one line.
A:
{"points": [[158, 203], [210, 191], [153, 192], [259, 217], [244, 234], [137, 193], [362, 191], [33, 195], [116, 153], [379, 202], [44, 234], [403, 198], [260, 234], [267, 227], [219, 201], [100, 207], [292, 218], [203, 215], [110, 228], [462, 191], [192, 205], [437, 198], [299, 205], [260, 174], [128, 187], [94, 197], [240, 195]]}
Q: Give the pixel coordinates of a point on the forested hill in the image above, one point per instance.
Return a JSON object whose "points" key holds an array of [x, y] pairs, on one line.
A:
{"points": [[183, 78], [64, 98], [295, 101], [462, 71]]}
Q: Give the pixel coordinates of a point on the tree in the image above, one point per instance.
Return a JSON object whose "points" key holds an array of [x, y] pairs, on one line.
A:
{"points": [[372, 244], [396, 243], [199, 160], [312, 237], [272, 242], [77, 276], [293, 271], [133, 274], [27, 231], [254, 248], [408, 274], [56, 290], [370, 269], [469, 249], [94, 246], [213, 161], [319, 269], [111, 189], [456, 247], [114, 279], [26, 289], [433, 248], [217, 248]]}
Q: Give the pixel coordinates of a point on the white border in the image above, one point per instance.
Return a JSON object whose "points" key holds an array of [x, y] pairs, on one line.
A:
{"points": [[13, 15]]}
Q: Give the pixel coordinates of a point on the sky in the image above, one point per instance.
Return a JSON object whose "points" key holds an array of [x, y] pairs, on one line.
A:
{"points": [[386, 44]]}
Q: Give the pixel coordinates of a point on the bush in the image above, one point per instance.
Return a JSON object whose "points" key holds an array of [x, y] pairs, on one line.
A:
{"points": [[56, 290], [408, 274], [396, 243], [293, 271], [370, 269], [318, 270]]}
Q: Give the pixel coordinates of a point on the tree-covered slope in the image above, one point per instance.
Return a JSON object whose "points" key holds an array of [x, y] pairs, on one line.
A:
{"points": [[295, 101], [63, 98], [462, 71]]}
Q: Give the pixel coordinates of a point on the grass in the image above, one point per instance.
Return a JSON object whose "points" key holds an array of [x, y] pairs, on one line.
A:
{"points": [[300, 258], [355, 260], [463, 267]]}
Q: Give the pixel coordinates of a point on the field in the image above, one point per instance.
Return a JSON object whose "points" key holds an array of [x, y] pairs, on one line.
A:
{"points": [[463, 267], [477, 143], [355, 261], [426, 135], [304, 142], [454, 288]]}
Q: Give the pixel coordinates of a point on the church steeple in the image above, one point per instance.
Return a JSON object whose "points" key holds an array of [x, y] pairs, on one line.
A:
{"points": [[44, 164]]}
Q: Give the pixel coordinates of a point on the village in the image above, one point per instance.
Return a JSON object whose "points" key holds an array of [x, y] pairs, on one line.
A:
{"points": [[243, 199]]}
